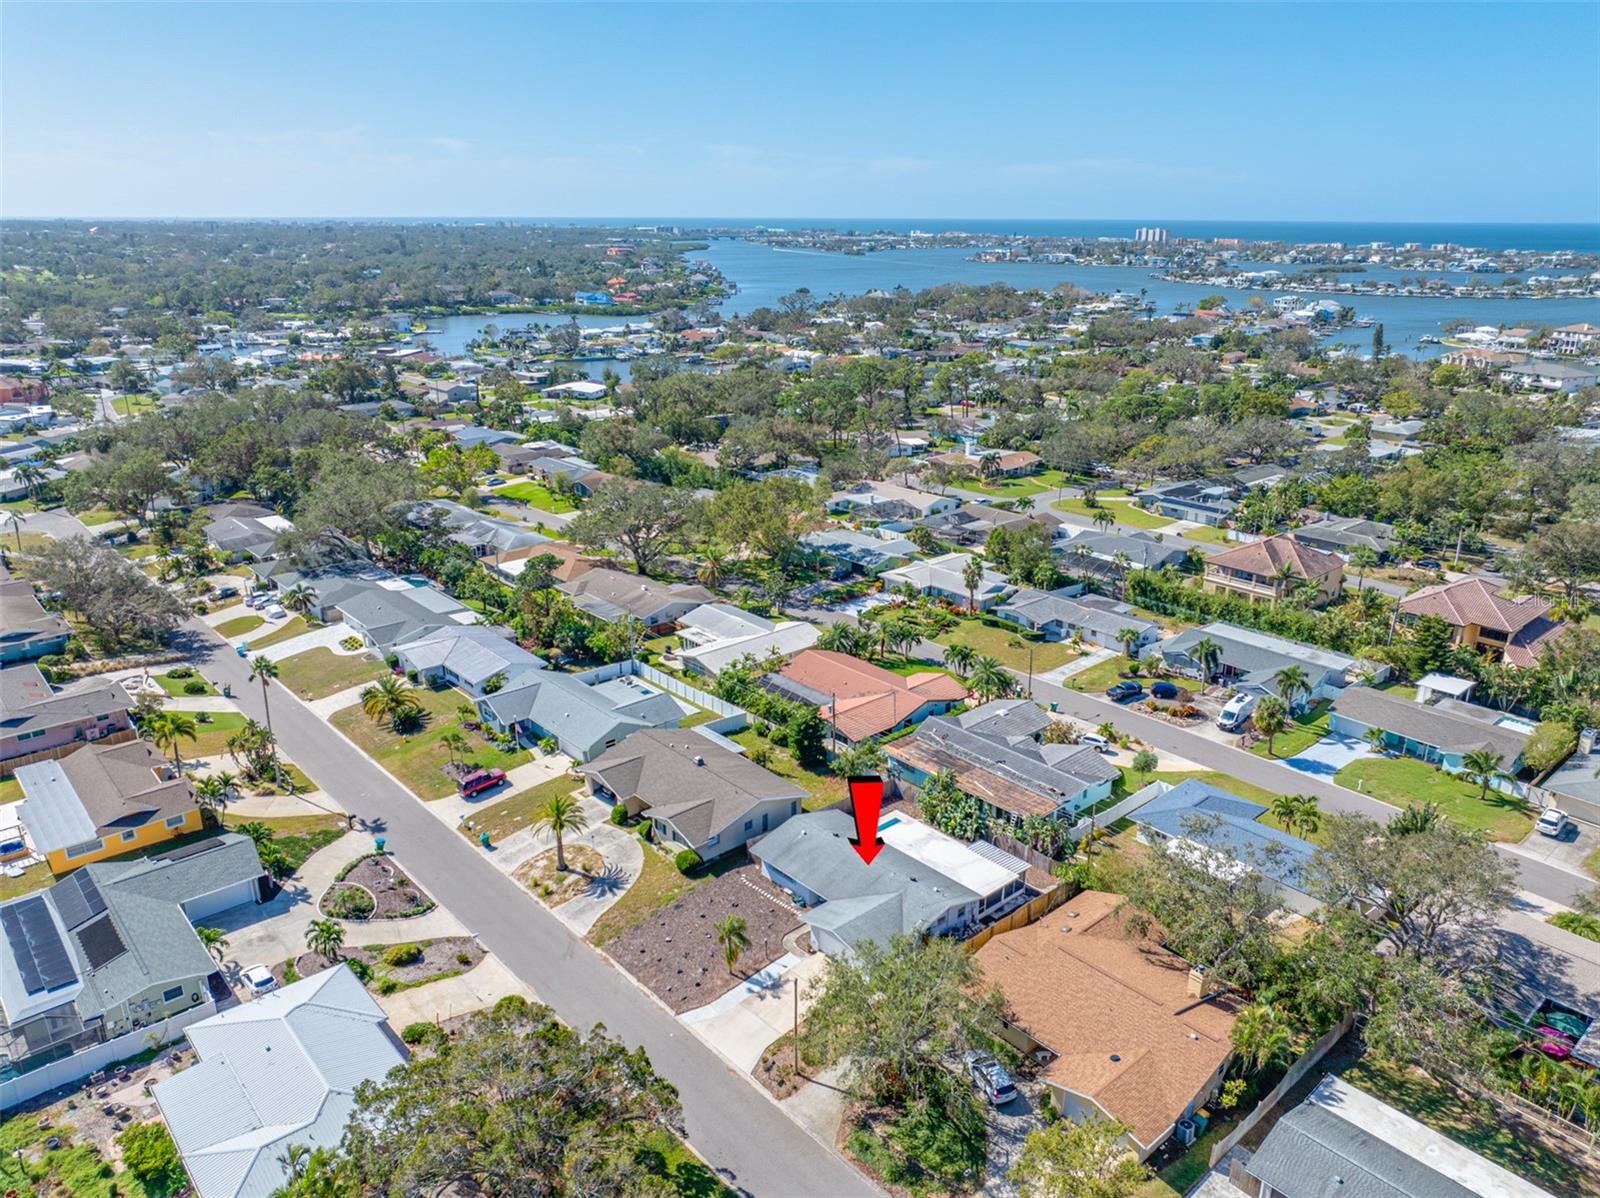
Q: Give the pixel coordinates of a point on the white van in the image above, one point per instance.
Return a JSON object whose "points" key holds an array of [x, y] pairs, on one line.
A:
{"points": [[1236, 711]]}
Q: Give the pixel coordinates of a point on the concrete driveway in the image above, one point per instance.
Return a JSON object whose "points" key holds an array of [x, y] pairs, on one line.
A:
{"points": [[1329, 755], [1568, 851]]}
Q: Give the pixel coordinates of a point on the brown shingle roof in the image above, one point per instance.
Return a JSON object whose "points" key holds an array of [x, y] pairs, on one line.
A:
{"points": [[1117, 1010], [1265, 556]]}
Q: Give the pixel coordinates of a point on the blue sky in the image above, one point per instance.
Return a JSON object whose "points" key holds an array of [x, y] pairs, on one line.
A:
{"points": [[1250, 111]]}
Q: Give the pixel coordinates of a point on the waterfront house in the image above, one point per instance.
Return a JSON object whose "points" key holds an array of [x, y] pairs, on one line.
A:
{"points": [[944, 577], [1517, 631], [695, 792], [102, 800], [1272, 569], [278, 1072], [998, 756], [1125, 1029], [609, 595], [1441, 733], [1566, 377], [1579, 338], [582, 391], [37, 721], [860, 700], [27, 630], [107, 959], [1061, 614]]}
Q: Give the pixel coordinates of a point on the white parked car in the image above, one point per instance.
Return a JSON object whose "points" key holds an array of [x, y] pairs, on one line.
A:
{"points": [[1096, 741], [274, 611], [258, 980], [1554, 822]]}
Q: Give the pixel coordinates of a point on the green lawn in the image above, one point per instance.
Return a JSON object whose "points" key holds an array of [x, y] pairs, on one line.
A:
{"points": [[1404, 780], [1453, 1114], [238, 626], [502, 817], [826, 788], [174, 686], [1009, 646], [320, 672], [1103, 673], [417, 759], [288, 630], [1305, 730], [1018, 488], [213, 736], [664, 1155], [1127, 513], [1206, 532], [537, 495], [35, 877]]}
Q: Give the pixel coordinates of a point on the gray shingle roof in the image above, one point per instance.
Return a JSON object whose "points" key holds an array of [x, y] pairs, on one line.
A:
{"points": [[1448, 725]]}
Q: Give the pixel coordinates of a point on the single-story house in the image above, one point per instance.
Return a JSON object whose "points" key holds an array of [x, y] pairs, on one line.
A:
{"points": [[1130, 1033], [1342, 534], [847, 902], [1218, 822], [1060, 614], [479, 658], [583, 718], [1200, 500], [853, 551], [394, 612], [943, 578], [36, 719], [27, 630], [245, 530], [102, 800], [508, 567], [716, 635], [860, 700], [609, 595], [280, 1071], [1249, 660], [1101, 553], [470, 435], [484, 535], [999, 757], [1342, 1140], [582, 391], [992, 462], [92, 966], [1441, 733], [696, 793], [889, 501], [971, 523]]}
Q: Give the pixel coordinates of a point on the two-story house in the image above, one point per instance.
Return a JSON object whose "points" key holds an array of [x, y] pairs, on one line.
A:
{"points": [[37, 721], [1272, 569], [1517, 631]]}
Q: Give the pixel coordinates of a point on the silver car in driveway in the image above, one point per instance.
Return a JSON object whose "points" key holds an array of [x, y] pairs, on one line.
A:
{"points": [[991, 1077]]}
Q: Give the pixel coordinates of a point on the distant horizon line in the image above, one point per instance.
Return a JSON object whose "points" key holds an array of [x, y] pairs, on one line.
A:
{"points": [[772, 219]]}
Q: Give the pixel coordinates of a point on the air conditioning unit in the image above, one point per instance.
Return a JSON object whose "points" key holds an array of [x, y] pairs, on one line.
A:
{"points": [[1185, 1132]]}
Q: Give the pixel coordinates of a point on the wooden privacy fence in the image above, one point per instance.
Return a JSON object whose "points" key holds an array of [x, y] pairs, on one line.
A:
{"points": [[1030, 911], [9, 767], [1298, 1070]]}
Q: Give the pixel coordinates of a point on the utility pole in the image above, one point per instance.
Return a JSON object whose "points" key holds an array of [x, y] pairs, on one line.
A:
{"points": [[797, 1027], [1030, 671]]}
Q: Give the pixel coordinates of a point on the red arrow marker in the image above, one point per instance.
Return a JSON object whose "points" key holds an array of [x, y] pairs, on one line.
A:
{"points": [[866, 799]]}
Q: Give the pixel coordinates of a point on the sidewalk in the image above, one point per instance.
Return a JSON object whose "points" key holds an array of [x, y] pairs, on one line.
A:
{"points": [[1060, 674]]}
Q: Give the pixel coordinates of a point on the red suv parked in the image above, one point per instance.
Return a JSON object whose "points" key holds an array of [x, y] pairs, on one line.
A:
{"points": [[479, 781]]}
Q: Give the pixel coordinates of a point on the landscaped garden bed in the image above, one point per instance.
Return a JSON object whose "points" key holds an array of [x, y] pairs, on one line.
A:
{"points": [[386, 968], [374, 887], [553, 886]]}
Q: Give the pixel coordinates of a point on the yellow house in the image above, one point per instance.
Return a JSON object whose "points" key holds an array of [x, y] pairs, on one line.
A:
{"points": [[104, 800]]}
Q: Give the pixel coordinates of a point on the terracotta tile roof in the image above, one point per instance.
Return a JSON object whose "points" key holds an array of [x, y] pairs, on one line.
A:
{"points": [[1117, 1010], [871, 700], [1265, 556], [1473, 601], [573, 564]]}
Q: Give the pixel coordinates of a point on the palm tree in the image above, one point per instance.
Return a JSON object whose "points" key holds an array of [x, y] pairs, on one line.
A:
{"points": [[298, 598], [1378, 739], [1483, 767], [389, 699], [264, 670], [326, 937], [733, 938], [1270, 717], [1417, 817], [15, 519], [1282, 577], [1024, 504], [1207, 654], [1128, 638], [168, 729], [959, 657], [1103, 519], [1308, 815], [212, 792], [215, 941], [854, 761], [1261, 1038], [972, 578], [989, 679], [455, 743], [562, 814], [712, 566], [837, 638], [1291, 682], [1363, 558], [1285, 808]]}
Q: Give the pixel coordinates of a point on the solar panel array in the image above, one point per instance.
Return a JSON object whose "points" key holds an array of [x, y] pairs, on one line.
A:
{"points": [[36, 946], [78, 899], [100, 941]]}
